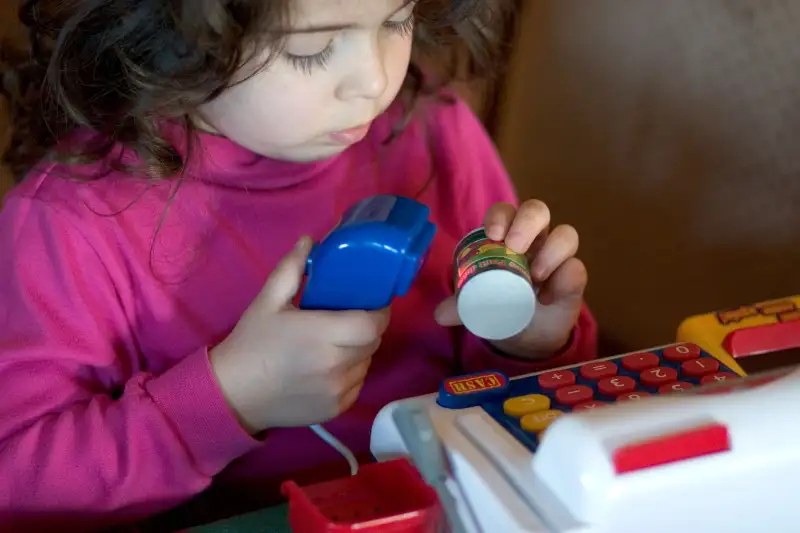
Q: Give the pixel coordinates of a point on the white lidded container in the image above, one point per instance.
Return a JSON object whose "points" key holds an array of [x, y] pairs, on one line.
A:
{"points": [[495, 294]]}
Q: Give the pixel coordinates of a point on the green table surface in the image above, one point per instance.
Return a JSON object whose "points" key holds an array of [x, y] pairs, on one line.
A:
{"points": [[269, 520]]}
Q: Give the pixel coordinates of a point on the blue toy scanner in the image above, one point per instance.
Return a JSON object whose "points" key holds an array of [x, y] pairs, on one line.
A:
{"points": [[371, 256]]}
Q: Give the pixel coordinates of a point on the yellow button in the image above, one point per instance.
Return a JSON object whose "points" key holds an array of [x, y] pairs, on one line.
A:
{"points": [[526, 405], [537, 422]]}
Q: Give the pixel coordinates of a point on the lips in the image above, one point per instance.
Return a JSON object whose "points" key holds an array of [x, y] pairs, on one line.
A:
{"points": [[351, 135]]}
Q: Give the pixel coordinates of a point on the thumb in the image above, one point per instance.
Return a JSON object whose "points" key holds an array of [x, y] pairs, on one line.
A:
{"points": [[284, 282], [446, 313]]}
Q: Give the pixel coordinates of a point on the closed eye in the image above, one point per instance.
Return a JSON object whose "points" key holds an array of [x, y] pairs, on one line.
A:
{"points": [[405, 27], [306, 64]]}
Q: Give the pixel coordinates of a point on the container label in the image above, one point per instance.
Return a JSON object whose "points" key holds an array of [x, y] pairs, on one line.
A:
{"points": [[476, 254]]}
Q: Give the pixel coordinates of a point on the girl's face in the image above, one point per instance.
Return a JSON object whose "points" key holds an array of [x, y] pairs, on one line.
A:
{"points": [[343, 64]]}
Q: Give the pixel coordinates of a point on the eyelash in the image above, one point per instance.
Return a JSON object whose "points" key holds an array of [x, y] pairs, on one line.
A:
{"points": [[307, 64]]}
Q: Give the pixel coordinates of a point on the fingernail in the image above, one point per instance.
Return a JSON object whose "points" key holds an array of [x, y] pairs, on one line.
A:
{"points": [[302, 244], [510, 238], [495, 231]]}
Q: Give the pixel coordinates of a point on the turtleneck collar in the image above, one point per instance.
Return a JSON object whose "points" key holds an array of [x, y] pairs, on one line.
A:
{"points": [[219, 160]]}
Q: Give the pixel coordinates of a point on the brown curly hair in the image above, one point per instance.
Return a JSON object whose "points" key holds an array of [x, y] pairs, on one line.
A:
{"points": [[119, 67]]}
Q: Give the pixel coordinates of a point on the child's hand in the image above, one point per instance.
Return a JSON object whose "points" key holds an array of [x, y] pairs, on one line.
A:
{"points": [[283, 367], [559, 276]]}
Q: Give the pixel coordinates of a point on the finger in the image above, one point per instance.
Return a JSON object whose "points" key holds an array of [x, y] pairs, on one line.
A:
{"points": [[353, 358], [446, 313], [498, 220], [285, 280], [533, 217], [537, 245], [560, 245], [353, 383], [356, 371], [340, 328], [567, 282]]}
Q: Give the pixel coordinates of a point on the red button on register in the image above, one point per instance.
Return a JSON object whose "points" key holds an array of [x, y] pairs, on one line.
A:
{"points": [[640, 361], [616, 386], [762, 339], [674, 387], [655, 377], [554, 380], [700, 367], [633, 396], [671, 448], [719, 376], [574, 394], [588, 406], [681, 352], [597, 371]]}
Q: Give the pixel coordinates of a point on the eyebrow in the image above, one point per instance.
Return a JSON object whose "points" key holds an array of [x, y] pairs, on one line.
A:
{"points": [[338, 27]]}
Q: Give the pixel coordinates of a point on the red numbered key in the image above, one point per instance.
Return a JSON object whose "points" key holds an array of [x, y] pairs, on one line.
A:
{"points": [[681, 353], [638, 362], [674, 387], [661, 375], [574, 394], [588, 406], [633, 396], [554, 380], [700, 367], [598, 371], [719, 376], [616, 386]]}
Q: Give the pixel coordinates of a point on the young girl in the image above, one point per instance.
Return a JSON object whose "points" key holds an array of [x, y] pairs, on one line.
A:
{"points": [[174, 156]]}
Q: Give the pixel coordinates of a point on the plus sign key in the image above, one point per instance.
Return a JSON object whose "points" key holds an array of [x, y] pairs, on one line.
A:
{"points": [[556, 379]]}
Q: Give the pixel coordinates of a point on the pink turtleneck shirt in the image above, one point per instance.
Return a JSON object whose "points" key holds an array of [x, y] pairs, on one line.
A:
{"points": [[112, 291]]}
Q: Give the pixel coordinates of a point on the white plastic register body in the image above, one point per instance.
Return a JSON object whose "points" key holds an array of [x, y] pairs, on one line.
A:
{"points": [[721, 458]]}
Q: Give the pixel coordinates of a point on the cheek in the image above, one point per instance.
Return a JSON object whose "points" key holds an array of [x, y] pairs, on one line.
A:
{"points": [[398, 57], [264, 111]]}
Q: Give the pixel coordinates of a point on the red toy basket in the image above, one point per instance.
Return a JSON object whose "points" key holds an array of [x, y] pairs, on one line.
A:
{"points": [[388, 497]]}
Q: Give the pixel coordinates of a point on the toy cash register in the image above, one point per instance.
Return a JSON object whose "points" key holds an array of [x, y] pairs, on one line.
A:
{"points": [[662, 440]]}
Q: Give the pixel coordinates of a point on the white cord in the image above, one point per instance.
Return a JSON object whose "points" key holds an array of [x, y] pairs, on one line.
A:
{"points": [[325, 435]]}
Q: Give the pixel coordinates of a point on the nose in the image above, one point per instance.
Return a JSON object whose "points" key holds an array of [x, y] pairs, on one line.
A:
{"points": [[366, 79]]}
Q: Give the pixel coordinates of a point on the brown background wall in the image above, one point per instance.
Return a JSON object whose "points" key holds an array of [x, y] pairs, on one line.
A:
{"points": [[669, 134], [8, 29], [5, 18]]}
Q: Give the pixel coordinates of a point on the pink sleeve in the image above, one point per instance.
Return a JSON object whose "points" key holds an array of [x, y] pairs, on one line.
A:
{"points": [[480, 180], [86, 440]]}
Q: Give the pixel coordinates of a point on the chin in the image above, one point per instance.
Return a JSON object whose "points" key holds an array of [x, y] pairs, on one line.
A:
{"points": [[318, 154], [310, 153]]}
